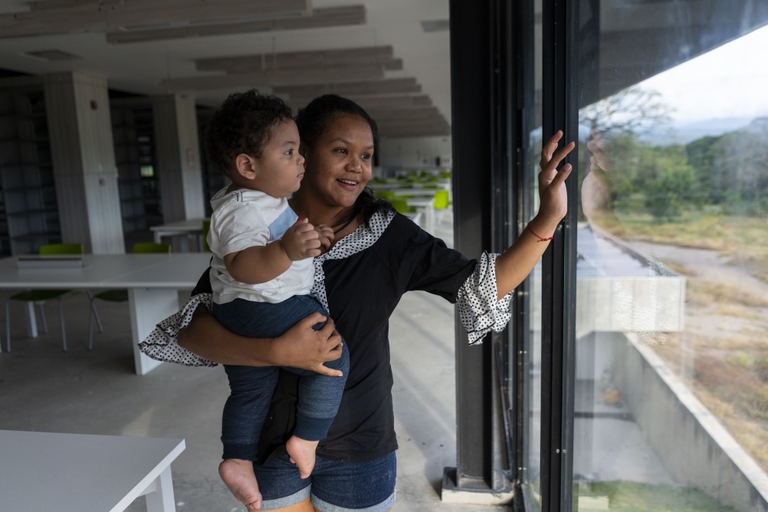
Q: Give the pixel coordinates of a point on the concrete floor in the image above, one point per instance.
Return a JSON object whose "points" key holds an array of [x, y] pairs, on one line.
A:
{"points": [[45, 389]]}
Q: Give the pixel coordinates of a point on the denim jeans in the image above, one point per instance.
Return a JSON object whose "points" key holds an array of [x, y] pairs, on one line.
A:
{"points": [[251, 387], [333, 486]]}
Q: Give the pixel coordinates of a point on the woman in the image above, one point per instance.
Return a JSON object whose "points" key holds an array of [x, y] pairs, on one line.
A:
{"points": [[377, 256]]}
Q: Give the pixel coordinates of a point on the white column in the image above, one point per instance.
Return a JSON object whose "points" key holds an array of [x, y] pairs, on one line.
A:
{"points": [[178, 157], [77, 108]]}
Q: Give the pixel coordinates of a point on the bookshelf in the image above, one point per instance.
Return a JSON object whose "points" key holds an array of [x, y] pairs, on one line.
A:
{"points": [[135, 158], [29, 214]]}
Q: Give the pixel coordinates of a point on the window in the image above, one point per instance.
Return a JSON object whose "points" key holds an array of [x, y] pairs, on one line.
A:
{"points": [[671, 365]]}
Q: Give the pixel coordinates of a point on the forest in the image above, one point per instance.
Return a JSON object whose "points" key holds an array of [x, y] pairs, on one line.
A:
{"points": [[726, 175]]}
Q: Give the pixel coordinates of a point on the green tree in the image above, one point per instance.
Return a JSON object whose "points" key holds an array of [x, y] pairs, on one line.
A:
{"points": [[674, 188]]}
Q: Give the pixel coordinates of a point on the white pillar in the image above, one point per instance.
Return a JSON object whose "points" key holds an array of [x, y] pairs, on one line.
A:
{"points": [[178, 157], [82, 151]]}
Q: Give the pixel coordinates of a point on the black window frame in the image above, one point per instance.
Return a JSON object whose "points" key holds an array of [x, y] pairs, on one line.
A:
{"points": [[492, 114]]}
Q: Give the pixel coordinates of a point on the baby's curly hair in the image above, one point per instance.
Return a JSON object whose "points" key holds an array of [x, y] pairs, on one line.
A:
{"points": [[242, 124]]}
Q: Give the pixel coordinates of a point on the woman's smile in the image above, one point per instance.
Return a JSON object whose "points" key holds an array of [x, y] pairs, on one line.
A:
{"points": [[348, 184], [341, 161]]}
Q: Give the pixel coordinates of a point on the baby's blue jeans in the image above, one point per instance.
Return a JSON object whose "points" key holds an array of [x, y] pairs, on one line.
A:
{"points": [[251, 387]]}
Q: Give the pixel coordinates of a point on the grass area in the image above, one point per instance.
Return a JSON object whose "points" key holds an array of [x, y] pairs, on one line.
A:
{"points": [[723, 353], [636, 497], [743, 239], [704, 293]]}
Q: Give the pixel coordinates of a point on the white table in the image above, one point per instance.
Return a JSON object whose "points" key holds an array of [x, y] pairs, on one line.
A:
{"points": [[189, 227], [44, 471], [426, 206], [152, 280], [416, 192], [445, 185]]}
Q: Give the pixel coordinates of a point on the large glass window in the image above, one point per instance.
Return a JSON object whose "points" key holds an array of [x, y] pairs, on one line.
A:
{"points": [[671, 389], [530, 474]]}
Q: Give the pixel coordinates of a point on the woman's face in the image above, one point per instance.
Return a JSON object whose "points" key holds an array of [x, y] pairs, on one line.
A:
{"points": [[339, 164]]}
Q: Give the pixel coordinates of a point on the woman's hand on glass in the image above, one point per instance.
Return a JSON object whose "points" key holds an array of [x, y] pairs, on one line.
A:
{"points": [[552, 190]]}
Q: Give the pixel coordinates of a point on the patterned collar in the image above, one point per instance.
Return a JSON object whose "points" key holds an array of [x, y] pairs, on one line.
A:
{"points": [[355, 242]]}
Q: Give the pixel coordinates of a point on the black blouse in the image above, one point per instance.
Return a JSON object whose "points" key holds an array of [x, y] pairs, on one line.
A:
{"points": [[360, 281]]}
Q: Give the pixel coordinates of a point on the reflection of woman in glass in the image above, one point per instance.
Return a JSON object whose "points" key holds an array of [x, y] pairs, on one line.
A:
{"points": [[598, 189]]}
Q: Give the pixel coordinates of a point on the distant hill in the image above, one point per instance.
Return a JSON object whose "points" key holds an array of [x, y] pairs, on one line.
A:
{"points": [[683, 133]]}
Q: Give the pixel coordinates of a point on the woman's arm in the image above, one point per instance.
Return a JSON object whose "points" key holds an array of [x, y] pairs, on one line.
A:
{"points": [[514, 265], [299, 347]]}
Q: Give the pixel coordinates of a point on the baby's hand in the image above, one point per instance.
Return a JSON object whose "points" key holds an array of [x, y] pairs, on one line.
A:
{"points": [[301, 241], [326, 236]]}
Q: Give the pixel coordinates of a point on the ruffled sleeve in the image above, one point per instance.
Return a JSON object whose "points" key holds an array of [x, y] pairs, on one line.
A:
{"points": [[161, 343], [479, 310]]}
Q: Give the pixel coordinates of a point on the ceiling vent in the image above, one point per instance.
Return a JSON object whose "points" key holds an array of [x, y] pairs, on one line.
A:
{"points": [[51, 55], [434, 25]]}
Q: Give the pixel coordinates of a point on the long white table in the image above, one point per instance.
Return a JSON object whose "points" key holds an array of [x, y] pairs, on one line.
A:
{"points": [[44, 471], [152, 280]]}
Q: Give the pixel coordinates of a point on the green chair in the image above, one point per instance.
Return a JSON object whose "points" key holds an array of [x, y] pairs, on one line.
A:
{"points": [[441, 199], [206, 229], [401, 205], [384, 194], [38, 297], [441, 203], [121, 295]]}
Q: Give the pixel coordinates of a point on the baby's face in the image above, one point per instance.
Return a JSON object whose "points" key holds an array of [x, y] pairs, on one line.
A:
{"points": [[280, 169]]}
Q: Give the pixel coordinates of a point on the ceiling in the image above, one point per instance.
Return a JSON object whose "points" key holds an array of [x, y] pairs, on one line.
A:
{"points": [[392, 56]]}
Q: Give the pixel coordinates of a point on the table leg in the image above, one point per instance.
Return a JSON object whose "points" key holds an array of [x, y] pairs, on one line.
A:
{"points": [[148, 308], [161, 499], [427, 221], [430, 219], [158, 237], [31, 320]]}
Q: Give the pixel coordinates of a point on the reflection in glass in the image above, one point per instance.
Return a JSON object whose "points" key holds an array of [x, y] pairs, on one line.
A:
{"points": [[530, 474], [671, 409]]}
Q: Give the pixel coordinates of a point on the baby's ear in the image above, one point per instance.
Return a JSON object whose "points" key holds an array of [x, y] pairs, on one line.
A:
{"points": [[245, 165]]}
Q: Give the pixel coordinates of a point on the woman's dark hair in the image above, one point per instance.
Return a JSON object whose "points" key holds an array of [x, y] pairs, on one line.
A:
{"points": [[313, 120], [242, 124]]}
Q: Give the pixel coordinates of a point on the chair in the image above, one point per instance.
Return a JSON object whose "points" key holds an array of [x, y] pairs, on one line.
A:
{"points": [[384, 194], [121, 295], [38, 297], [401, 205], [441, 202], [206, 229]]}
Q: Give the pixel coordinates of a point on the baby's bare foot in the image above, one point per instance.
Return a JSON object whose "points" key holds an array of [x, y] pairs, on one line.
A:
{"points": [[241, 481], [302, 454]]}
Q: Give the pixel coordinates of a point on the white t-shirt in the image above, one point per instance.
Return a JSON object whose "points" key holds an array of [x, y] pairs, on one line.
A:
{"points": [[246, 218]]}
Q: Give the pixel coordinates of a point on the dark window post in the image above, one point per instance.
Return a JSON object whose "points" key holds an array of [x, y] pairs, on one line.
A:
{"points": [[560, 112], [483, 113]]}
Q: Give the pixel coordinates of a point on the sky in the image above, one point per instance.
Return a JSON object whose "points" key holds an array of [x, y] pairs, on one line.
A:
{"points": [[728, 82]]}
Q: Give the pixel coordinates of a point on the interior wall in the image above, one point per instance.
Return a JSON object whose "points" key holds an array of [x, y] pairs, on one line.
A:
{"points": [[415, 152]]}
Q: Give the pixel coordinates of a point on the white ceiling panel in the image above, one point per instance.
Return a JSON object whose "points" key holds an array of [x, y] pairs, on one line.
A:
{"points": [[147, 67]]}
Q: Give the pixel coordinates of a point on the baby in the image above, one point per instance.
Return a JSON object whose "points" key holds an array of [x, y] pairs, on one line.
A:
{"points": [[261, 276]]}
